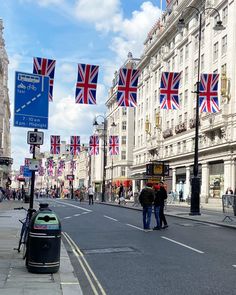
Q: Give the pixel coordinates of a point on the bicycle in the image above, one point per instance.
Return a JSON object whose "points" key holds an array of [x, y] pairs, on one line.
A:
{"points": [[24, 230]]}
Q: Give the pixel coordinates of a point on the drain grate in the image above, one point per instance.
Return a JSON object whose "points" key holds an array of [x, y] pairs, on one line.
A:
{"points": [[109, 250]]}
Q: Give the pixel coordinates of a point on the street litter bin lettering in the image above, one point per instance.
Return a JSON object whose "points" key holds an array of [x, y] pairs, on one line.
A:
{"points": [[44, 242]]}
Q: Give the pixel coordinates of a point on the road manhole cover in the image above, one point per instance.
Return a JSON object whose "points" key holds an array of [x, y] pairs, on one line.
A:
{"points": [[109, 250]]}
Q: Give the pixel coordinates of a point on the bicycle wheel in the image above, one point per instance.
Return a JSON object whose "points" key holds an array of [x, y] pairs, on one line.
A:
{"points": [[25, 242], [21, 240]]}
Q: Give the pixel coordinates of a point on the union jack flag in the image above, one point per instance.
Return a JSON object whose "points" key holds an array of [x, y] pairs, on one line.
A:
{"points": [[74, 145], [94, 145], [169, 99], [208, 96], [72, 165], [50, 172], [114, 145], [127, 87], [55, 144], [45, 67], [41, 171], [59, 172], [50, 163], [61, 165], [86, 84]]}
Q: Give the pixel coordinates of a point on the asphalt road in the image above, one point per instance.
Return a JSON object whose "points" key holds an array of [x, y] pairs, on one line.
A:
{"points": [[111, 253]]}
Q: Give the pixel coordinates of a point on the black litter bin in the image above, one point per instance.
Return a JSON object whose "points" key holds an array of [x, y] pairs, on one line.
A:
{"points": [[44, 244]]}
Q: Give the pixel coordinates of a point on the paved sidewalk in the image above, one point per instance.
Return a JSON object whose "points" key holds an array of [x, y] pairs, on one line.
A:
{"points": [[14, 277]]}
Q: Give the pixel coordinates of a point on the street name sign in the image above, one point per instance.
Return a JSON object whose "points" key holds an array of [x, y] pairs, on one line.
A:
{"points": [[27, 172], [31, 101]]}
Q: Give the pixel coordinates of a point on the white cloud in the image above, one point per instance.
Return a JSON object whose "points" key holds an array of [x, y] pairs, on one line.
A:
{"points": [[97, 11], [132, 32]]}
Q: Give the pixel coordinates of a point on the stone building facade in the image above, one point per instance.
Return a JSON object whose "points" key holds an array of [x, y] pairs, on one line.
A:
{"points": [[5, 115], [169, 135]]}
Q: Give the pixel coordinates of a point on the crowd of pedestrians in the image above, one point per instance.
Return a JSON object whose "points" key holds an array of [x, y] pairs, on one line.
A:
{"points": [[153, 196]]}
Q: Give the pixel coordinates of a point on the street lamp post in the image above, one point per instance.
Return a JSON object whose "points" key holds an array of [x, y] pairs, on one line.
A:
{"points": [[195, 183], [104, 123]]}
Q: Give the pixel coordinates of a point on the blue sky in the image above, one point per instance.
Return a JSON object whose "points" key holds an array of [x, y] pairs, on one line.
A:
{"points": [[100, 32]]}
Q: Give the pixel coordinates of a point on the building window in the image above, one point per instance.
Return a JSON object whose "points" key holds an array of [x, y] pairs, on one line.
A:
{"points": [[166, 151], [185, 117], [122, 171], [184, 146], [181, 56], [180, 99], [172, 123], [225, 15], [180, 119], [123, 140], [168, 124], [215, 51], [156, 75], [171, 149], [196, 43], [202, 61], [186, 51], [124, 111], [224, 45], [224, 68], [185, 97], [178, 147], [123, 155], [186, 74], [195, 71], [155, 96], [124, 124], [168, 66], [173, 63], [203, 37]]}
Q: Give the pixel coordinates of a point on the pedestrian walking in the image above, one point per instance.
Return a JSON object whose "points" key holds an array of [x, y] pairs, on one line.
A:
{"points": [[163, 197], [146, 199], [157, 206], [120, 193], [90, 194]]}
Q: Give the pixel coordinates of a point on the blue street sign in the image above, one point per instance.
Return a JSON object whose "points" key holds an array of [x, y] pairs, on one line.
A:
{"points": [[27, 172], [31, 101]]}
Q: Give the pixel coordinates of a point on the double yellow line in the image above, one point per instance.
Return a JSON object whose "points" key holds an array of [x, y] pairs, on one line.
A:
{"points": [[91, 277]]}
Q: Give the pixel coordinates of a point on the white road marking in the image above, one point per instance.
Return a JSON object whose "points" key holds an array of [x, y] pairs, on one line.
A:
{"points": [[234, 265], [139, 228], [68, 217], [76, 214], [110, 217], [91, 277], [181, 244], [67, 204]]}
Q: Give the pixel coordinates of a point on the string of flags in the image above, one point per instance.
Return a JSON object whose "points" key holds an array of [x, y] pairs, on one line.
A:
{"points": [[86, 87]]}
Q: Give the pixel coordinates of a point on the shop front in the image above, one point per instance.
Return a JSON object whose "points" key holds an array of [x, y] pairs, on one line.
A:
{"points": [[216, 179]]}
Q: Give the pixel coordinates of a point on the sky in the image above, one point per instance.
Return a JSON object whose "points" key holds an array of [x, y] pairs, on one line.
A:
{"points": [[99, 32]]}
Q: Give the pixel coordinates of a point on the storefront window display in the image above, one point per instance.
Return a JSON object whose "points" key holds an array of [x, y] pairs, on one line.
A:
{"points": [[216, 185]]}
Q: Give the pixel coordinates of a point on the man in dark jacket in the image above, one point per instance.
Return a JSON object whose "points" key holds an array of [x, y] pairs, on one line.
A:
{"points": [[157, 206], [163, 197], [146, 199]]}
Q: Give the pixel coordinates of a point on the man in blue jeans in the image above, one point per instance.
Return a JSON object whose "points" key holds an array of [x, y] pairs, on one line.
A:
{"points": [[146, 199]]}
